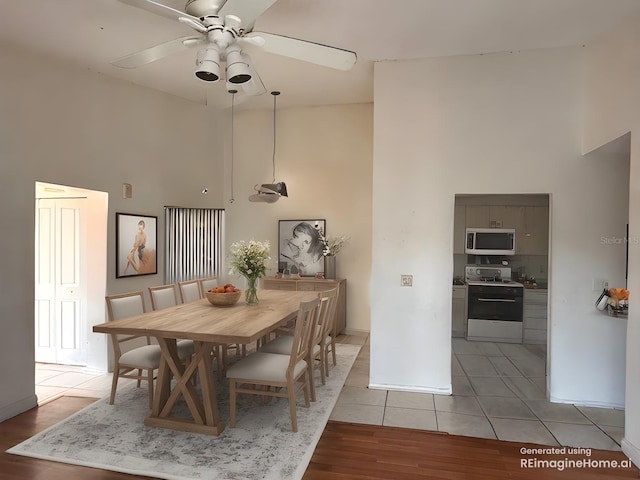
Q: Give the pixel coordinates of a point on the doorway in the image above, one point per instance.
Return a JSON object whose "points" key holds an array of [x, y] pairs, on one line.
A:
{"points": [[70, 275], [528, 215]]}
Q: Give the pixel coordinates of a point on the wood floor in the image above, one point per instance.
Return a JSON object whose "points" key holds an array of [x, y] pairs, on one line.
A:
{"points": [[345, 452]]}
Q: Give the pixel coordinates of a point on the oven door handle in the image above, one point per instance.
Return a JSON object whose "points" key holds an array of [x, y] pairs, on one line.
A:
{"points": [[504, 300]]}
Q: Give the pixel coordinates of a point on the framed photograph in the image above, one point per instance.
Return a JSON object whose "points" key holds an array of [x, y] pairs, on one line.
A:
{"points": [[300, 247], [136, 243]]}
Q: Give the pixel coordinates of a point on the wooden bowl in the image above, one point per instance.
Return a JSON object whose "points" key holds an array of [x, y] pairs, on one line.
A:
{"points": [[223, 299]]}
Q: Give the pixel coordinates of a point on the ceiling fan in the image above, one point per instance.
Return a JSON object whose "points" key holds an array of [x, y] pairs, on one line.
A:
{"points": [[222, 27]]}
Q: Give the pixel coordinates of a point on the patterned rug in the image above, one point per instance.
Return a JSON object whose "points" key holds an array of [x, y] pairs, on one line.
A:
{"points": [[261, 446]]}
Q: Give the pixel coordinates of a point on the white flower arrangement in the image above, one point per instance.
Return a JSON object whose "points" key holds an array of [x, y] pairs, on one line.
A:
{"points": [[332, 245], [249, 259]]}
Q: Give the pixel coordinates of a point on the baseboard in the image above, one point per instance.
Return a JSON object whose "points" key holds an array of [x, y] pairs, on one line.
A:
{"points": [[411, 388], [582, 403], [18, 407], [354, 332], [631, 451]]}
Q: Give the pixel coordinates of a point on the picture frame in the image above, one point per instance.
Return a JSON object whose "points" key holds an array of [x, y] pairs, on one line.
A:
{"points": [[300, 247], [136, 245]]}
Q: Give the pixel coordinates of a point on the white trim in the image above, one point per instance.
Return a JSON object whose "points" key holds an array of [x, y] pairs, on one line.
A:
{"points": [[586, 404], [412, 388], [631, 451], [18, 407]]}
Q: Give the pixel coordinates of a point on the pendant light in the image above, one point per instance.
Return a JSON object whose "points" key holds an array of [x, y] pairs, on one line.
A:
{"points": [[271, 192], [233, 104]]}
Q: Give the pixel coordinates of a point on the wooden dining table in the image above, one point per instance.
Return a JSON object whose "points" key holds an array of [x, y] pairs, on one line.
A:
{"points": [[207, 325]]}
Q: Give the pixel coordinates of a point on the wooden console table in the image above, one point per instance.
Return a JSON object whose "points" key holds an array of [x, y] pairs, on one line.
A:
{"points": [[310, 284]]}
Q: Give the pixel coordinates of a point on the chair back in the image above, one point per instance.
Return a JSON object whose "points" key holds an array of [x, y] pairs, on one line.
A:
{"points": [[328, 309], [207, 284], [305, 325], [122, 306], [125, 305], [189, 291], [163, 296]]}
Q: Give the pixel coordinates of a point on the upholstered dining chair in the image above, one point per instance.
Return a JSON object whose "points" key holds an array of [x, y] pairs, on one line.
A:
{"points": [[140, 362], [256, 373], [207, 284], [317, 348], [164, 296], [189, 291]]}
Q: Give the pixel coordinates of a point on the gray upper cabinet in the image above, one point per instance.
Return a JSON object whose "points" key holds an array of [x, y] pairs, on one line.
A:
{"points": [[531, 224], [459, 224], [532, 237]]}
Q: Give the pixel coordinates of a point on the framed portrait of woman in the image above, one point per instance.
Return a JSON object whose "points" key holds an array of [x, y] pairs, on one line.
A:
{"points": [[300, 247], [136, 241]]}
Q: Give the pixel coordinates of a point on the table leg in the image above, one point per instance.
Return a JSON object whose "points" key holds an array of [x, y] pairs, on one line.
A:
{"points": [[204, 412]]}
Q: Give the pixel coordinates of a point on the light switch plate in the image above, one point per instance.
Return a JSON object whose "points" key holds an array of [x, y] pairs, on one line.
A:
{"points": [[406, 280]]}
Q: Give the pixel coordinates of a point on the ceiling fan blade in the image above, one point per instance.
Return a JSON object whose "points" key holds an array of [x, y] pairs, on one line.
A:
{"points": [[251, 88], [154, 53], [195, 25], [317, 53], [248, 11], [251, 39], [160, 9]]}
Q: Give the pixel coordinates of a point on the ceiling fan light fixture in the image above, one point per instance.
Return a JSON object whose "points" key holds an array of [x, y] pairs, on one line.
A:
{"points": [[208, 65], [237, 67]]}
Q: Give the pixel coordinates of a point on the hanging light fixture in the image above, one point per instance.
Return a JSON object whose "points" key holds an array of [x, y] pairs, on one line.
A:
{"points": [[233, 103], [271, 192]]}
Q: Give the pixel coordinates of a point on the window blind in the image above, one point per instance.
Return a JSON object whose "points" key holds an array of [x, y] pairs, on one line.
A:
{"points": [[194, 239]]}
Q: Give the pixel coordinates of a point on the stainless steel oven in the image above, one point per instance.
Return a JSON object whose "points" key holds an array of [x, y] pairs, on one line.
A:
{"points": [[495, 302], [494, 305]]}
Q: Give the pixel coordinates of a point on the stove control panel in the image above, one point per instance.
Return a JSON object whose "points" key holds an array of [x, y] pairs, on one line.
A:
{"points": [[487, 273]]}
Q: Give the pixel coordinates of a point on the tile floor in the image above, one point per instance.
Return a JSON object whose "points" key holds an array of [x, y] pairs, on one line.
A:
{"points": [[498, 392]]}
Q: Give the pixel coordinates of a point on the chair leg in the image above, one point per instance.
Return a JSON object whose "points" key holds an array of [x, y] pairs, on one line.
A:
{"points": [[323, 365], [305, 390], [291, 390], [114, 384], [312, 378], [232, 404], [150, 382], [333, 350], [139, 377]]}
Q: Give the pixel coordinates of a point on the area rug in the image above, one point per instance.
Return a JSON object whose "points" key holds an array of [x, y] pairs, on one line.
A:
{"points": [[261, 446]]}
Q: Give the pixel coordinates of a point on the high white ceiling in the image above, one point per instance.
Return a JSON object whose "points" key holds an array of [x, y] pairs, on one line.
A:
{"points": [[91, 33]]}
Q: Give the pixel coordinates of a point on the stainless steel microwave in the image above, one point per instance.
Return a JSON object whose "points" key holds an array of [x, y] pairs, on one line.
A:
{"points": [[490, 241]]}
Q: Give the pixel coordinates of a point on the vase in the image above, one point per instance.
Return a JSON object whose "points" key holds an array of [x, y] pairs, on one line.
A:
{"points": [[251, 295], [330, 267]]}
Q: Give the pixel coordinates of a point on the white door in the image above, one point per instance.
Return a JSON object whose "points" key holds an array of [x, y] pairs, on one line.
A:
{"points": [[60, 311]]}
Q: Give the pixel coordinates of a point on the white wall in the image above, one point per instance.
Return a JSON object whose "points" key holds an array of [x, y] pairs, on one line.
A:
{"points": [[74, 127], [324, 156], [81, 129], [503, 123], [612, 104]]}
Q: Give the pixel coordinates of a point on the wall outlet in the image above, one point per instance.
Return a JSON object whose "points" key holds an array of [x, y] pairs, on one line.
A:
{"points": [[406, 280]]}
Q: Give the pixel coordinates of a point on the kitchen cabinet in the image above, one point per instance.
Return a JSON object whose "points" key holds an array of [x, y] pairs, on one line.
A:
{"points": [[459, 225], [532, 235], [313, 285], [478, 216], [535, 316], [459, 311], [530, 222]]}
